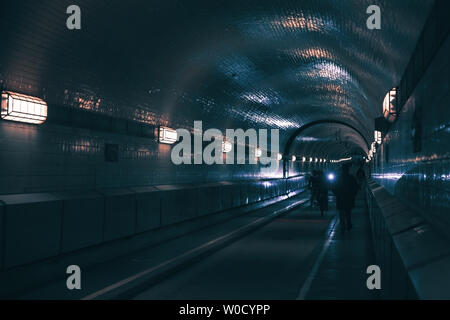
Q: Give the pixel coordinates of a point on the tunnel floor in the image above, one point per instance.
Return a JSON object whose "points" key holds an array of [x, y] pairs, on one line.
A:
{"points": [[298, 256]]}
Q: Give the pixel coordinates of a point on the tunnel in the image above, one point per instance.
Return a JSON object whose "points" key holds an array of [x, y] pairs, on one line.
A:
{"points": [[225, 150]]}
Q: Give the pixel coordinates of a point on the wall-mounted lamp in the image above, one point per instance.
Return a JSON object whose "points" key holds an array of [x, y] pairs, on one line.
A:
{"points": [[279, 156], [294, 158], [377, 136], [167, 135], [373, 147], [303, 159], [226, 146], [389, 105], [23, 108]]}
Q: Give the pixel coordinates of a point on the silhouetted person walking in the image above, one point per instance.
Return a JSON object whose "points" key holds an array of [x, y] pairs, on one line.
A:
{"points": [[322, 193], [361, 175], [345, 189], [313, 185]]}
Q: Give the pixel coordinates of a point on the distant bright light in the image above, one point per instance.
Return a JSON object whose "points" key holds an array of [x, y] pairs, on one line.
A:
{"points": [[310, 159], [226, 146], [279, 156], [303, 159], [331, 176], [294, 158], [258, 152], [377, 136], [23, 108], [373, 147], [167, 135], [316, 160]]}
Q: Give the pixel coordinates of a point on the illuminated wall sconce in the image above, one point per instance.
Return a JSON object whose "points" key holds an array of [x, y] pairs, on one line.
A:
{"points": [[294, 158], [316, 160], [303, 159], [377, 136], [373, 147], [226, 146], [310, 159], [258, 152], [279, 156], [389, 105], [23, 108], [167, 135]]}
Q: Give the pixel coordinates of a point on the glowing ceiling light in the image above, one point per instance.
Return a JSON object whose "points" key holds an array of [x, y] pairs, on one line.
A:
{"points": [[226, 146], [331, 176], [258, 152], [23, 108], [167, 135], [279, 156], [294, 158]]}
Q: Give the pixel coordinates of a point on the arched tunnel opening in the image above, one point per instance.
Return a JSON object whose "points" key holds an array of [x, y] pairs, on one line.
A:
{"points": [[224, 150], [328, 141]]}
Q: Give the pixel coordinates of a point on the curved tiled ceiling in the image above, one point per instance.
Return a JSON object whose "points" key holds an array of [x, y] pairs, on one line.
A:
{"points": [[232, 64]]}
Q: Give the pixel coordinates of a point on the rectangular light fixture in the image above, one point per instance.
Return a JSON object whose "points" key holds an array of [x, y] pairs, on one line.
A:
{"points": [[23, 108], [373, 147], [226, 146], [389, 105], [167, 135], [377, 136]]}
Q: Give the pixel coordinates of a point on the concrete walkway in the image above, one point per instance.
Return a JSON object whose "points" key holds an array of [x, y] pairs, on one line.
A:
{"points": [[298, 255], [342, 271], [285, 259]]}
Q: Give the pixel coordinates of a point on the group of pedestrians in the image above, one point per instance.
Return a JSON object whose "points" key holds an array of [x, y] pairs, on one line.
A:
{"points": [[345, 187]]}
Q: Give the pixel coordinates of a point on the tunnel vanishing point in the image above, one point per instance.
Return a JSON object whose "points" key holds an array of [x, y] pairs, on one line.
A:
{"points": [[110, 190]]}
